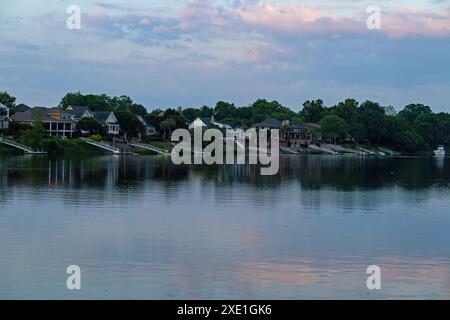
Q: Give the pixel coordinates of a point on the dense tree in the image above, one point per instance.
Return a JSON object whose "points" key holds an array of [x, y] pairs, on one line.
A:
{"points": [[346, 110], [167, 126], [129, 123], [313, 111], [224, 110], [412, 111], [94, 102], [334, 127], [34, 136], [372, 116]]}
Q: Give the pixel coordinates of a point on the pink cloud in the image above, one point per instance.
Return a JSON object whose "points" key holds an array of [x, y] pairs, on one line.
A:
{"points": [[295, 19]]}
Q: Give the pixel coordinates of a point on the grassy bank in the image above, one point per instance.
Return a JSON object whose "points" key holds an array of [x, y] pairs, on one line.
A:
{"points": [[69, 147]]}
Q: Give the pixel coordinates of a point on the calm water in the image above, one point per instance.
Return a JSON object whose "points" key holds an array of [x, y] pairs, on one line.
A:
{"points": [[140, 227]]}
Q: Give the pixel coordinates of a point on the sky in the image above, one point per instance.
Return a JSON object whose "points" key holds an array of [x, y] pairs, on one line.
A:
{"points": [[167, 53]]}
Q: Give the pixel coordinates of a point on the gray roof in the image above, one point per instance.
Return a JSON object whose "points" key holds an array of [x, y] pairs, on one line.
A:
{"points": [[102, 116], [78, 111], [2, 106], [38, 114], [206, 120], [268, 123], [313, 126], [21, 108]]}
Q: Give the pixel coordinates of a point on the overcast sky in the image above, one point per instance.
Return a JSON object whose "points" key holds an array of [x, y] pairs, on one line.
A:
{"points": [[167, 53]]}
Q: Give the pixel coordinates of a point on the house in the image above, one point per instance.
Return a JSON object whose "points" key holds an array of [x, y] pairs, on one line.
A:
{"points": [[207, 122], [149, 129], [300, 134], [56, 122], [5, 122], [108, 119]]}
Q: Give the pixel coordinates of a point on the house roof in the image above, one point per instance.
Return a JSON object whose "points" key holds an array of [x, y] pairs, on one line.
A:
{"points": [[102, 116], [21, 108], [313, 126], [206, 120], [38, 114], [268, 123], [78, 111], [2, 106], [145, 123]]}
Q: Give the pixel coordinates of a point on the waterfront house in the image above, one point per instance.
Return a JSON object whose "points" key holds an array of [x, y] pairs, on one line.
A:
{"points": [[300, 134], [149, 129], [206, 122], [56, 122], [108, 119], [292, 134]]}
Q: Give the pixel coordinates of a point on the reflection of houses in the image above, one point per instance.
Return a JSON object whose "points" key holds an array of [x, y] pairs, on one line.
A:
{"points": [[292, 134], [56, 121], [206, 123], [149, 129]]}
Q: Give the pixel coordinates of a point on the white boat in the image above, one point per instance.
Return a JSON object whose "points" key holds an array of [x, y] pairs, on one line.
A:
{"points": [[439, 152]]}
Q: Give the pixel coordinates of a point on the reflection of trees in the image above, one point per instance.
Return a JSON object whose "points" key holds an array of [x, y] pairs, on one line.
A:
{"points": [[343, 173], [312, 172]]}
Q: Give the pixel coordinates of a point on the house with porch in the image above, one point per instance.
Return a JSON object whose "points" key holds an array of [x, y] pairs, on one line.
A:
{"points": [[106, 118], [109, 120], [56, 122], [292, 134], [300, 134]]}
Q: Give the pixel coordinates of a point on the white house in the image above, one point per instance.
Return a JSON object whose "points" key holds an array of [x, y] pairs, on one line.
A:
{"points": [[206, 122]]}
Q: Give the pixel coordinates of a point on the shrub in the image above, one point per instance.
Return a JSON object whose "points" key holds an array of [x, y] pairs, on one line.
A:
{"points": [[96, 137]]}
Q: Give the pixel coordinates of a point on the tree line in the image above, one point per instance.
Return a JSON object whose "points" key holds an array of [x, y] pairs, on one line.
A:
{"points": [[413, 129]]}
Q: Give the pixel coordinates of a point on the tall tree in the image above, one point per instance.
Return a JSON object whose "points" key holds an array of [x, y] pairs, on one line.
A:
{"points": [[7, 99], [313, 110]]}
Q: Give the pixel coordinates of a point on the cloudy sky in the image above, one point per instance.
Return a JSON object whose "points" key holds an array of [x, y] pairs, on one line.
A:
{"points": [[167, 53]]}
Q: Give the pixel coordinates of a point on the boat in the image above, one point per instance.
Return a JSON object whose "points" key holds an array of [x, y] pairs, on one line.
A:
{"points": [[440, 151]]}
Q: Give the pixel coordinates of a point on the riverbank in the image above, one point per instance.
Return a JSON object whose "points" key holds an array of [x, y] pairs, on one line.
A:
{"points": [[56, 146]]}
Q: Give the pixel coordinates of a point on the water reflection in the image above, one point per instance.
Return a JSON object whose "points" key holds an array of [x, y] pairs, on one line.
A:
{"points": [[312, 172], [141, 227]]}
